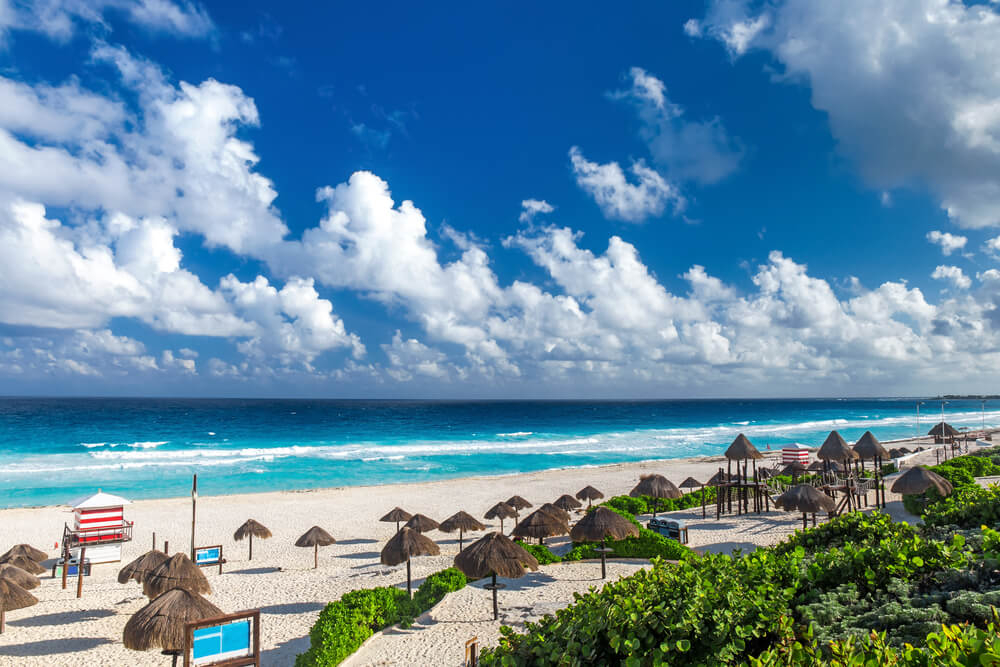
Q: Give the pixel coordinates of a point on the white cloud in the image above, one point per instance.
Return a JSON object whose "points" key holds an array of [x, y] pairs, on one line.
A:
{"points": [[910, 87], [532, 207], [58, 19], [953, 275], [993, 245], [949, 242], [619, 199], [689, 150], [410, 356]]}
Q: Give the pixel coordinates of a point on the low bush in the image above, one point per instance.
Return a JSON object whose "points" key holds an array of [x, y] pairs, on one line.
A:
{"points": [[647, 545], [961, 471], [540, 552], [968, 507]]}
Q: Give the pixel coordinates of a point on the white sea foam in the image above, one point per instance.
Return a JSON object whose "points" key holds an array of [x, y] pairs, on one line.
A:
{"points": [[515, 434], [132, 445]]}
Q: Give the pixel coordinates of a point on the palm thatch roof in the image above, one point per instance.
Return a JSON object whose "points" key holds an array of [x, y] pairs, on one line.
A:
{"points": [[25, 564], [691, 483], [835, 448], [896, 453], [495, 554], [905, 450], [22, 578], [541, 524], [406, 544], [943, 429], [160, 624], [141, 566], [805, 498], [567, 502], [868, 448], [518, 503], [249, 528], [656, 486], [176, 572], [793, 468], [601, 523], [25, 550], [556, 511], [314, 537], [460, 521], [742, 449], [716, 479], [589, 493], [14, 597], [396, 515], [421, 523], [918, 479], [500, 511]]}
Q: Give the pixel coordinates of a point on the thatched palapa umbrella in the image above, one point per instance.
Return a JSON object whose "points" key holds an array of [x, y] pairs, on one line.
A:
{"points": [[541, 523], [495, 554], [589, 494], [315, 537], [460, 521], [25, 564], [806, 499], [141, 566], [918, 479], [793, 469], [656, 486], [421, 523], [835, 448], [943, 430], [12, 598], [691, 483], [555, 510], [160, 624], [251, 529], [518, 503], [178, 571], [25, 550], [396, 515], [501, 511], [403, 546], [567, 502], [599, 524], [868, 448], [22, 578]]}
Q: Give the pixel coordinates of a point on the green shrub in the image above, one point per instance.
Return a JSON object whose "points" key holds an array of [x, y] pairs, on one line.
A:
{"points": [[968, 507], [436, 586], [961, 471], [541, 553], [647, 545]]}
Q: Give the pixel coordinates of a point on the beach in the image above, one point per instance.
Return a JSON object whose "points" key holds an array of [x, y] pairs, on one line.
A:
{"points": [[281, 581]]}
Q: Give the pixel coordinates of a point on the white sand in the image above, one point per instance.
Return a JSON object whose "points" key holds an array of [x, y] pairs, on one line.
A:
{"points": [[62, 630]]}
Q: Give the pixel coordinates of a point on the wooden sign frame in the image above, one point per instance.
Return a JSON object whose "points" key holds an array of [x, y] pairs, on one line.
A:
{"points": [[243, 661], [220, 562]]}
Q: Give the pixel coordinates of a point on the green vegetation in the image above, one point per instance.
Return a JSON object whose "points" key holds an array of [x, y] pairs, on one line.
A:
{"points": [[345, 624], [858, 590], [960, 471]]}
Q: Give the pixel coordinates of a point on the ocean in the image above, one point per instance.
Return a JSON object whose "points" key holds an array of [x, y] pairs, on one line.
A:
{"points": [[53, 449]]}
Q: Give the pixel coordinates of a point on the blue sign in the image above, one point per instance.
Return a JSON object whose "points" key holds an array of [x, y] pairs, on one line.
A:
{"points": [[219, 642], [207, 555]]}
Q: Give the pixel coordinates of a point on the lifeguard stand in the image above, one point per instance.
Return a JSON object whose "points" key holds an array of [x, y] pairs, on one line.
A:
{"points": [[795, 453], [99, 525]]}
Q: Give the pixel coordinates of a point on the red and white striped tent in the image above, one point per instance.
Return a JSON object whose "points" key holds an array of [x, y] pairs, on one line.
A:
{"points": [[795, 452], [99, 521]]}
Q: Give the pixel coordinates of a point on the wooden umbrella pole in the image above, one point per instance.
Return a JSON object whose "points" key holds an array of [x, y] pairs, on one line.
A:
{"points": [[459, 540], [79, 572], [604, 560], [315, 556], [496, 608], [2, 619], [409, 589]]}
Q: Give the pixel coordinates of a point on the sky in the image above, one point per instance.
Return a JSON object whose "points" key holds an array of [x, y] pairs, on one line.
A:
{"points": [[463, 200]]}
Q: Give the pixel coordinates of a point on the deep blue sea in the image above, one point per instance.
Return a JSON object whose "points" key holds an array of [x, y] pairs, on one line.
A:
{"points": [[54, 449]]}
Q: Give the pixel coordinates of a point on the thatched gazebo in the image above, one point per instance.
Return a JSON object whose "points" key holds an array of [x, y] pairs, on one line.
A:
{"points": [[178, 571], [25, 564], [12, 598], [403, 546], [541, 524], [806, 499], [589, 494], [492, 555], [141, 566], [919, 479], [421, 523], [25, 550], [315, 537], [501, 511], [741, 449], [397, 515], [868, 448], [835, 448], [943, 431], [22, 578], [567, 502], [160, 624], [601, 523], [692, 483], [251, 529], [460, 521], [656, 486]]}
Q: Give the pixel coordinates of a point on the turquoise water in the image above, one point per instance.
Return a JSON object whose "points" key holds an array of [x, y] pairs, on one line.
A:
{"points": [[54, 449]]}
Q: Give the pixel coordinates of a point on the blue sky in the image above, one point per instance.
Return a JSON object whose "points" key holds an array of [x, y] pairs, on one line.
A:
{"points": [[668, 199]]}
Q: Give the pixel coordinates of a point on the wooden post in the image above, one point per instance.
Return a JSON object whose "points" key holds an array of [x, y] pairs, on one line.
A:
{"points": [[79, 572], [409, 588], [166, 547], [194, 507], [251, 546], [65, 564], [1, 618], [154, 540], [496, 609], [315, 556]]}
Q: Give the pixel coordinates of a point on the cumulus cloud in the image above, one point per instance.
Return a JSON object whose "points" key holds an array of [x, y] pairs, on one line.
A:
{"points": [[910, 87], [532, 207], [953, 275], [616, 196], [949, 242], [58, 19]]}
